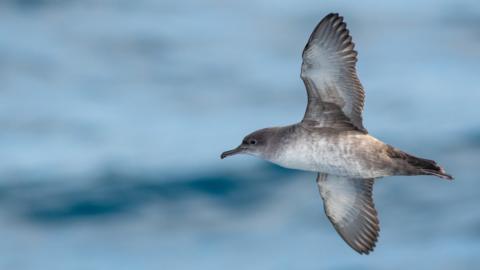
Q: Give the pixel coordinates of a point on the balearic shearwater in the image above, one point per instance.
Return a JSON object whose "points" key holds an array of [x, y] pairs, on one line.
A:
{"points": [[332, 141]]}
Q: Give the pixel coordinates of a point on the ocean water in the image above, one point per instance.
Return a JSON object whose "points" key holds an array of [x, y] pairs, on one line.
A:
{"points": [[113, 115]]}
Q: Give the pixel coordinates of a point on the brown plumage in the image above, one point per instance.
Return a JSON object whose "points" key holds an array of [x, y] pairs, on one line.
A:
{"points": [[332, 140]]}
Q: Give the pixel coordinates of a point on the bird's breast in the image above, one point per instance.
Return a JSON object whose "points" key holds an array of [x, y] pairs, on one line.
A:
{"points": [[333, 155]]}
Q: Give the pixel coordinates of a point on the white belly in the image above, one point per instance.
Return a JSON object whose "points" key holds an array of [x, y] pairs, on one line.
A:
{"points": [[321, 155]]}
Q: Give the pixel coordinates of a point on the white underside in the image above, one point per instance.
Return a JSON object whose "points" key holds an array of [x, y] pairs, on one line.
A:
{"points": [[321, 156]]}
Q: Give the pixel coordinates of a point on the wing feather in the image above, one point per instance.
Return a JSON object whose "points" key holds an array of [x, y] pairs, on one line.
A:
{"points": [[329, 72], [349, 206]]}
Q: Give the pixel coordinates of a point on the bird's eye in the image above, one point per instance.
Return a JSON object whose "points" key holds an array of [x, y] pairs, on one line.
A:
{"points": [[252, 141]]}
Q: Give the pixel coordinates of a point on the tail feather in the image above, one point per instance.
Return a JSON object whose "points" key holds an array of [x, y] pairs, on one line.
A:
{"points": [[440, 174], [421, 165], [428, 167]]}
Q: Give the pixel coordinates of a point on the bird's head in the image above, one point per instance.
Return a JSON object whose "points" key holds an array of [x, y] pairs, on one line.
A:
{"points": [[255, 143]]}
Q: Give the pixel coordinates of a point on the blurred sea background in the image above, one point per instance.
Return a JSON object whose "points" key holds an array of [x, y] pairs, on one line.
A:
{"points": [[113, 115]]}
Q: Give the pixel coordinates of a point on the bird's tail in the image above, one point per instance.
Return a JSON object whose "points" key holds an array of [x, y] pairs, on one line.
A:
{"points": [[427, 167], [417, 166]]}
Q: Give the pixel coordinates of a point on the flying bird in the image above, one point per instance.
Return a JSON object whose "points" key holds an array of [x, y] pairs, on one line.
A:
{"points": [[332, 141]]}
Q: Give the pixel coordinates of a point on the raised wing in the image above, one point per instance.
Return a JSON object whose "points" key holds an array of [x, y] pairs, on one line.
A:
{"points": [[349, 206], [329, 73]]}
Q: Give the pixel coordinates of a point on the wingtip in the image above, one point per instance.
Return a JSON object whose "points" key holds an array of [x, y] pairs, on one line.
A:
{"points": [[332, 14], [365, 251]]}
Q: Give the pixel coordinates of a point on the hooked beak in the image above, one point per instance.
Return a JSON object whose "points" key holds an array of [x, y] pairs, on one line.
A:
{"points": [[232, 152]]}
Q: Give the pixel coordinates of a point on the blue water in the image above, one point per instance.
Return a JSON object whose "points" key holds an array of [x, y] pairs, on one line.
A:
{"points": [[113, 115]]}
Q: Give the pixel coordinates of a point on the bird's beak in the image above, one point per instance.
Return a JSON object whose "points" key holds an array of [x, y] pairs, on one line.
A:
{"points": [[232, 152]]}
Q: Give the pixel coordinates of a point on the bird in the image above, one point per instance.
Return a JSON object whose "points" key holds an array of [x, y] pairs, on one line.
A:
{"points": [[332, 141]]}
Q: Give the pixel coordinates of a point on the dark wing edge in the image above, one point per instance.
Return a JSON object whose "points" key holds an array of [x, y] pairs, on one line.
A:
{"points": [[349, 206], [329, 72]]}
